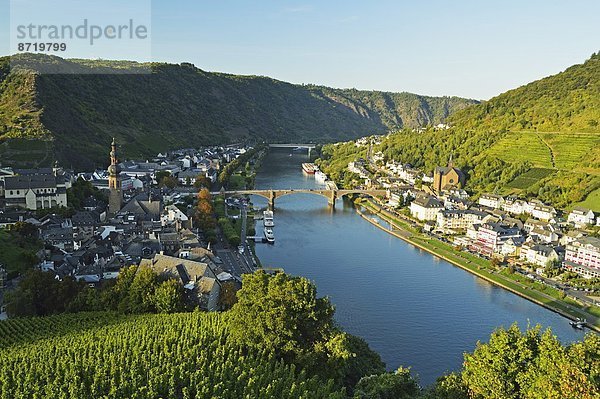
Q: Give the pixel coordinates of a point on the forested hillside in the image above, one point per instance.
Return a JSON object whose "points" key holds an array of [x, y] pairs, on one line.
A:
{"points": [[181, 105], [540, 140], [565, 102]]}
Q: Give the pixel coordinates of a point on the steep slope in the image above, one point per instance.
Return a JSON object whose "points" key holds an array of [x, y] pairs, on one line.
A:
{"points": [[181, 105], [568, 101], [540, 140]]}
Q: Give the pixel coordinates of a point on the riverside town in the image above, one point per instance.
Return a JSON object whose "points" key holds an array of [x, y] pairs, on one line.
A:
{"points": [[187, 226]]}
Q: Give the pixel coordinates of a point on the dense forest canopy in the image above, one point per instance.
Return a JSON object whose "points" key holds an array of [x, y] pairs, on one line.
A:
{"points": [[73, 116]]}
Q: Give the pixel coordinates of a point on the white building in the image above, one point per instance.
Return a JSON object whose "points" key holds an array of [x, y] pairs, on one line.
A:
{"points": [[544, 212], [426, 208], [459, 219], [491, 201], [514, 206], [580, 217], [583, 257], [36, 189], [537, 254]]}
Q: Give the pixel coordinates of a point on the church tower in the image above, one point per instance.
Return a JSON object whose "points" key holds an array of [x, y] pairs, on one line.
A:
{"points": [[115, 196]]}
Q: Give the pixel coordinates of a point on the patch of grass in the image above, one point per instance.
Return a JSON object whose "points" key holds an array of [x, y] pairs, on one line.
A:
{"points": [[570, 149], [592, 201], [566, 150]]}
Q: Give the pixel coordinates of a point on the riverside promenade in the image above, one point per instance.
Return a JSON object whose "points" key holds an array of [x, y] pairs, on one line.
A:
{"points": [[457, 259]]}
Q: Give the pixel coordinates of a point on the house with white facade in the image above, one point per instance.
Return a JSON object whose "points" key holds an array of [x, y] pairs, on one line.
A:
{"points": [[537, 254], [491, 201], [543, 212], [426, 208], [36, 189], [581, 217]]}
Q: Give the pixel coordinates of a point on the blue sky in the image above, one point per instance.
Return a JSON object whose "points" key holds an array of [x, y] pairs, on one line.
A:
{"points": [[467, 48]]}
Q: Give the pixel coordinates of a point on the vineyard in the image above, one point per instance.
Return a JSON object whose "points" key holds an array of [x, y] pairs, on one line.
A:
{"points": [[530, 177], [105, 355]]}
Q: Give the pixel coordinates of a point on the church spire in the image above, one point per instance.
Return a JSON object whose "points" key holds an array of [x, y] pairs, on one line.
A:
{"points": [[115, 197]]}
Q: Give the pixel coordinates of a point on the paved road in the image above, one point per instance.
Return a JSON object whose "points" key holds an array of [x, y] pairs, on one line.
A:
{"points": [[231, 264]]}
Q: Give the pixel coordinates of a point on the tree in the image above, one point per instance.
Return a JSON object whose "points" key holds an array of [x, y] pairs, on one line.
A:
{"points": [[282, 315], [228, 295], [202, 181], [493, 370], [40, 294], [552, 268], [25, 230], [396, 385], [168, 297], [140, 294], [169, 182], [204, 195]]}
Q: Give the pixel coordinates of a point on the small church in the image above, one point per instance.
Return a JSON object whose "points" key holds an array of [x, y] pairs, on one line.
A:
{"points": [[448, 177]]}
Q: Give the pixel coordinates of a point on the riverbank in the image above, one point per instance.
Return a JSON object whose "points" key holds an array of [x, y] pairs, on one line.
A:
{"points": [[474, 265]]}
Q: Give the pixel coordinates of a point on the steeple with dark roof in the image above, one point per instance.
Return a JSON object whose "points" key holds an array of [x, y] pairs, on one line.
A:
{"points": [[115, 197]]}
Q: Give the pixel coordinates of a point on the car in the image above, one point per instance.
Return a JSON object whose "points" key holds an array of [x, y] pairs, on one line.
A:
{"points": [[241, 249]]}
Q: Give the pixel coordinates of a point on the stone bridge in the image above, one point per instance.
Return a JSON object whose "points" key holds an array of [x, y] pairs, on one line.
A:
{"points": [[272, 195]]}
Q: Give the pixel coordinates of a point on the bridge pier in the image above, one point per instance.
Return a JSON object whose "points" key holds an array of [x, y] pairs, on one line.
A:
{"points": [[271, 200], [331, 198]]}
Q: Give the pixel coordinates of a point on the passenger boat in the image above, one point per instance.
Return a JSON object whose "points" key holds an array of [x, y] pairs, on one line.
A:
{"points": [[309, 168], [268, 219], [269, 235]]}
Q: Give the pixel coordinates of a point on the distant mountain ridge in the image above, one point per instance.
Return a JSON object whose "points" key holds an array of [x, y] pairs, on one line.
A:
{"points": [[73, 116]]}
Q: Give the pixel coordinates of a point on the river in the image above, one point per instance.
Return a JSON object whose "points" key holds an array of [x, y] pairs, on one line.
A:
{"points": [[412, 308]]}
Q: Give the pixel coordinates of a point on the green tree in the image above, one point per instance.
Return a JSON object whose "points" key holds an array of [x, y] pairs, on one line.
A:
{"points": [[281, 313], [493, 370], [228, 295], [396, 385], [140, 294], [168, 297]]}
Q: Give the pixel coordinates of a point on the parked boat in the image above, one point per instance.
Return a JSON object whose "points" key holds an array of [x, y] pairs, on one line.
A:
{"points": [[309, 168], [320, 176], [268, 219], [269, 235], [579, 323]]}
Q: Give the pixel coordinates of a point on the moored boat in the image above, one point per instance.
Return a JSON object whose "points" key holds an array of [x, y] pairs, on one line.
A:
{"points": [[579, 323], [268, 219], [320, 176], [309, 168], [269, 235]]}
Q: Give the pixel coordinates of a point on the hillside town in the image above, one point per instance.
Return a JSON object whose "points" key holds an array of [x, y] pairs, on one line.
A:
{"points": [[93, 224], [511, 230]]}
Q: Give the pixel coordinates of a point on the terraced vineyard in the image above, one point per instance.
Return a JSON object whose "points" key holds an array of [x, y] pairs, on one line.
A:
{"points": [[530, 177], [566, 151], [522, 147], [572, 150], [183, 355]]}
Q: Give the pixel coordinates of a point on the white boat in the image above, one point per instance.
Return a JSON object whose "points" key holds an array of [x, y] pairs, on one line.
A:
{"points": [[269, 235], [579, 324], [320, 176], [268, 219]]}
